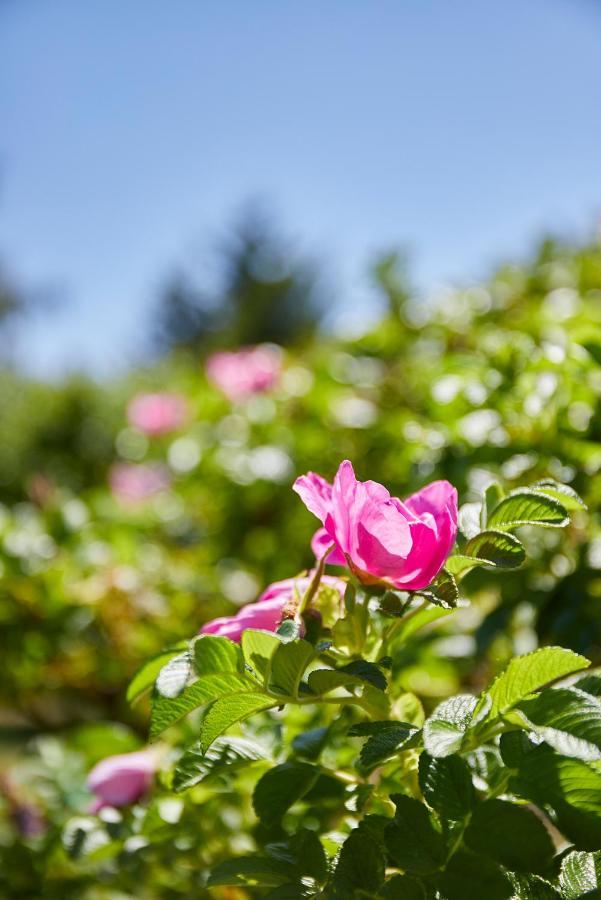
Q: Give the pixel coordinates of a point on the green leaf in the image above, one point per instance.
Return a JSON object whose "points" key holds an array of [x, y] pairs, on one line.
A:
{"points": [[386, 739], [590, 684], [302, 851], [418, 620], [529, 673], [173, 677], [289, 630], [470, 877], [571, 787], [568, 720], [446, 784], [247, 871], [580, 874], [309, 744], [493, 495], [360, 866], [531, 887], [525, 506], [445, 729], [402, 887], [443, 592], [227, 711], [258, 648], [366, 671], [167, 711], [146, 675], [288, 666], [511, 835], [213, 654], [497, 549], [223, 758], [349, 633], [411, 839], [282, 786], [566, 495]]}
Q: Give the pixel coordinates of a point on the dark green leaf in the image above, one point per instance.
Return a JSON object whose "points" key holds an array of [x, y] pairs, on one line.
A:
{"points": [[511, 835], [590, 684], [360, 867], [227, 711], [470, 877], [213, 654], [289, 630], [366, 671], [250, 870], [224, 757], [446, 784], [402, 887], [525, 506], [567, 719], [580, 874], [309, 744], [531, 887], [386, 739], [497, 549], [282, 786], [411, 839], [444, 731]]}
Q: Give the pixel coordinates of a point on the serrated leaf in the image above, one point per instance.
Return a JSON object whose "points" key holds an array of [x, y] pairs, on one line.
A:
{"points": [[247, 871], [443, 592], [360, 867], [166, 711], [566, 495], [471, 877], [385, 740], [590, 684], [569, 720], [213, 654], [529, 673], [304, 852], [525, 506], [224, 757], [173, 677], [288, 666], [146, 675], [444, 730], [446, 784], [497, 549], [228, 711], [531, 887], [580, 874], [366, 671], [411, 839], [258, 648], [511, 835], [282, 786]]}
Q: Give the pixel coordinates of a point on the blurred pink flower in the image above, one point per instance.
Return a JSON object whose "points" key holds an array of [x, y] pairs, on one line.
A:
{"points": [[121, 780], [157, 414], [132, 483], [266, 612], [403, 544], [242, 373]]}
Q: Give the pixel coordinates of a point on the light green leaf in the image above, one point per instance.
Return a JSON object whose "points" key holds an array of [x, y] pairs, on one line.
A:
{"points": [[288, 666], [213, 653], [580, 874], [566, 495], [228, 710], [258, 648], [281, 787], [226, 755], [529, 673], [569, 720], [446, 784], [173, 677], [322, 681], [411, 839], [493, 495], [525, 506], [419, 620], [511, 835], [444, 731], [165, 712], [146, 675]]}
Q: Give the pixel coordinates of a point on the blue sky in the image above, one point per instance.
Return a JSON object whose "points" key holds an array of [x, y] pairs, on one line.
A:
{"points": [[133, 131]]}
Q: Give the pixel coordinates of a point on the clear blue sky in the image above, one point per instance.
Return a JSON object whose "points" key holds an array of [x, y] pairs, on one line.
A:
{"points": [[132, 130]]}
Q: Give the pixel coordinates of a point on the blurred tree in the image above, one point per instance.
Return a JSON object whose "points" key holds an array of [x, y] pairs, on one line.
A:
{"points": [[266, 294]]}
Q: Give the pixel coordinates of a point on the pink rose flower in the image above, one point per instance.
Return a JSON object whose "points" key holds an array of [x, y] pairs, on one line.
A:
{"points": [[266, 612], [121, 780], [132, 483], [242, 373], [157, 414], [403, 544]]}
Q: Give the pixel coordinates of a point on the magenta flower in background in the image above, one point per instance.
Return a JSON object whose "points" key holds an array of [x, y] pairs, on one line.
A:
{"points": [[266, 612], [157, 414], [242, 373], [403, 544], [132, 483], [121, 780]]}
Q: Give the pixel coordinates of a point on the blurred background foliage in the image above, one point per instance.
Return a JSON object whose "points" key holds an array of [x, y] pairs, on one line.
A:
{"points": [[500, 380]]}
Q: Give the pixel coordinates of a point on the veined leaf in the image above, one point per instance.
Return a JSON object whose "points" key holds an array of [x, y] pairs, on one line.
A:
{"points": [[167, 711], [531, 887], [146, 675], [444, 731], [493, 495], [228, 711], [590, 684], [411, 839], [360, 867], [525, 506], [386, 739], [511, 835], [225, 756], [258, 648], [497, 549], [366, 671], [569, 720], [443, 591], [529, 673], [566, 495], [213, 654], [282, 786], [288, 666], [446, 784], [173, 677], [580, 874]]}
